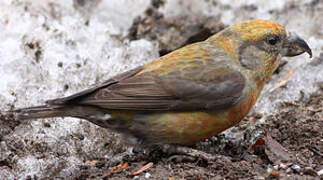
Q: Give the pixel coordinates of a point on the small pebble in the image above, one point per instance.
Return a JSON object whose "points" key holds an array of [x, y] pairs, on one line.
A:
{"points": [[296, 168], [269, 169], [320, 172], [147, 175], [283, 166], [288, 170], [276, 167], [274, 174], [309, 171], [260, 178]]}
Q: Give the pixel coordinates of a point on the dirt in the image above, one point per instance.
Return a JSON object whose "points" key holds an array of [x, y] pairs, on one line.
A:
{"points": [[173, 33]]}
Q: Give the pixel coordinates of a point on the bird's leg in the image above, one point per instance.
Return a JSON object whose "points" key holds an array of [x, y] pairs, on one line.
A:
{"points": [[182, 153]]}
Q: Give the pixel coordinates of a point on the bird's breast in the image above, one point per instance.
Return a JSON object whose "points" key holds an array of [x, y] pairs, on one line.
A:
{"points": [[189, 127], [184, 127]]}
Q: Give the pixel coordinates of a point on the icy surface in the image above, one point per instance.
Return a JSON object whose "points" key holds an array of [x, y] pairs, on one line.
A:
{"points": [[51, 49]]}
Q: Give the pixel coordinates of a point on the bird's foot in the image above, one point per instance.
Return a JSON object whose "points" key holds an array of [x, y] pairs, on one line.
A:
{"points": [[181, 153]]}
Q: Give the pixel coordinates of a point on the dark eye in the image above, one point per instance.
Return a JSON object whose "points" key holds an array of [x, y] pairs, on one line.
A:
{"points": [[272, 40]]}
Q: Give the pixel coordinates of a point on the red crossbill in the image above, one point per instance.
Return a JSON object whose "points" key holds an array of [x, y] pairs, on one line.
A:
{"points": [[188, 95]]}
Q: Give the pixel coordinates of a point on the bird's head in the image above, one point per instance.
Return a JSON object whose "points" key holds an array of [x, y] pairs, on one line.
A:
{"points": [[256, 45]]}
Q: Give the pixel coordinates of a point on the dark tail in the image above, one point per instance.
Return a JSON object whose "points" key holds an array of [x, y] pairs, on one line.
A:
{"points": [[91, 113], [44, 111]]}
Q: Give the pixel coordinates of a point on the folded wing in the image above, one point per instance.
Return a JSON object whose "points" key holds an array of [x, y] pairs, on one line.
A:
{"points": [[199, 88]]}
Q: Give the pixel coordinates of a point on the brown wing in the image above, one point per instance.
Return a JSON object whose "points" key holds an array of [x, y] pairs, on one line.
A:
{"points": [[200, 88]]}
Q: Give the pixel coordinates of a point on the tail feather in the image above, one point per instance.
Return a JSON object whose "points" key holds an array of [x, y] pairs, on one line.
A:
{"points": [[93, 114], [36, 112]]}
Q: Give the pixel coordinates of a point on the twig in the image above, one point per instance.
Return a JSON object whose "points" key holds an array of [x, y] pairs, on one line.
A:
{"points": [[283, 82], [142, 169]]}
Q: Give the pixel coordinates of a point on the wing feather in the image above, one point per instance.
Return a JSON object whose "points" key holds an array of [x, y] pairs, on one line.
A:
{"points": [[150, 91], [186, 84]]}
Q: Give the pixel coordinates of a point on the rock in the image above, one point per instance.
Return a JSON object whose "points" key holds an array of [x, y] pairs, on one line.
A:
{"points": [[260, 178], [296, 168], [274, 174], [288, 170], [320, 173], [276, 167], [147, 175], [309, 171]]}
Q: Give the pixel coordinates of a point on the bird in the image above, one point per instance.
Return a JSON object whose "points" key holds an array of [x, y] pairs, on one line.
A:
{"points": [[188, 95]]}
